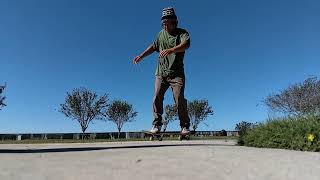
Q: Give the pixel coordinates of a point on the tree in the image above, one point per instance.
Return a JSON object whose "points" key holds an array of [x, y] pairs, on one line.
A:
{"points": [[198, 111], [297, 99], [120, 112], [242, 129], [243, 126], [84, 106], [2, 98], [170, 115]]}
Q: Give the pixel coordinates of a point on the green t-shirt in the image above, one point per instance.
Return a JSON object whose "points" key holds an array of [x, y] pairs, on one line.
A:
{"points": [[172, 64]]}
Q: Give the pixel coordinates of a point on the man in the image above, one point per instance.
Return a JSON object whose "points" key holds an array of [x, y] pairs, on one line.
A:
{"points": [[171, 44]]}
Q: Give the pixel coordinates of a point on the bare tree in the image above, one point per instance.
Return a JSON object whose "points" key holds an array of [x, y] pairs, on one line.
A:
{"points": [[2, 98], [170, 115], [297, 99], [84, 106], [120, 112], [198, 111]]}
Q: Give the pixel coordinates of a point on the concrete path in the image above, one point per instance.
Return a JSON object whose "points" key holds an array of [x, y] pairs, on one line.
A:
{"points": [[168, 160]]}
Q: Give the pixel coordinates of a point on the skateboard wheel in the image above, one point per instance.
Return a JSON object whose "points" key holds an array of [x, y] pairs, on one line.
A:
{"points": [[151, 138]]}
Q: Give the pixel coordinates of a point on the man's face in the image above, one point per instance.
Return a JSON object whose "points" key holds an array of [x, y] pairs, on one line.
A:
{"points": [[169, 25]]}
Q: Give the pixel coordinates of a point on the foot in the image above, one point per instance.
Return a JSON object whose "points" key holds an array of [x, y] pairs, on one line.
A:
{"points": [[155, 129], [185, 131]]}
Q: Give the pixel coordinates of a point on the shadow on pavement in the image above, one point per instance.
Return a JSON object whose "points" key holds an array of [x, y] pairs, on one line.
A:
{"points": [[78, 149]]}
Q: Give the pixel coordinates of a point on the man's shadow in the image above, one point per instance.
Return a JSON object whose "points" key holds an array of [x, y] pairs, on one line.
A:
{"points": [[79, 149]]}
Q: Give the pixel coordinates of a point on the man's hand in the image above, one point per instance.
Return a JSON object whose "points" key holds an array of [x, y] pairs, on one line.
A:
{"points": [[165, 53], [137, 59]]}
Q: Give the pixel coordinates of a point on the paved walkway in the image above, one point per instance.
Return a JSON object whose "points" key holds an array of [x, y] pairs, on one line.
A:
{"points": [[167, 160]]}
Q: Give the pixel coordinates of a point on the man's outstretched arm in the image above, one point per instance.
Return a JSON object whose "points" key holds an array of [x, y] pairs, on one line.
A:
{"points": [[145, 53], [180, 48]]}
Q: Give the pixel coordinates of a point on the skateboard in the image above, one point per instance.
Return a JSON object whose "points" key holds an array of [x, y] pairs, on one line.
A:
{"points": [[184, 137], [159, 136], [154, 136]]}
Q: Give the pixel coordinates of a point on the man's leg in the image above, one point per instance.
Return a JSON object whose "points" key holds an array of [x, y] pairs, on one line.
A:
{"points": [[177, 84], [161, 86]]}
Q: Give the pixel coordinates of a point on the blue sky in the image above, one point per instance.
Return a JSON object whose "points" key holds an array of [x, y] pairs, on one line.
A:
{"points": [[241, 52]]}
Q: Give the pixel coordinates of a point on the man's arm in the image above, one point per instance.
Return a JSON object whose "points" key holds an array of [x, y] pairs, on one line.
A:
{"points": [[148, 51], [180, 48], [145, 53]]}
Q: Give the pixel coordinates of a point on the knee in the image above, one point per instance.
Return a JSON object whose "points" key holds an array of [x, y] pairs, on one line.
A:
{"points": [[180, 100]]}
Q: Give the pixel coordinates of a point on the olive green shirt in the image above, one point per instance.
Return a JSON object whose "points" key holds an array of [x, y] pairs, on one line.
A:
{"points": [[172, 64]]}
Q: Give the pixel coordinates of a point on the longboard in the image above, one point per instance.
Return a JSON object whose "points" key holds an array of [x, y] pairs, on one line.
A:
{"points": [[159, 136]]}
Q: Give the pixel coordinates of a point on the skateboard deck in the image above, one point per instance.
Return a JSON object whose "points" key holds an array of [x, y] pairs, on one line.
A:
{"points": [[159, 136]]}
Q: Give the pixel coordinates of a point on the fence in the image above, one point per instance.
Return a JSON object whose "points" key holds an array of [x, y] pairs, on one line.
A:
{"points": [[107, 135]]}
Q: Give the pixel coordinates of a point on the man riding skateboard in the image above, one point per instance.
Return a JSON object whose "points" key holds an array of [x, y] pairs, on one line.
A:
{"points": [[171, 44]]}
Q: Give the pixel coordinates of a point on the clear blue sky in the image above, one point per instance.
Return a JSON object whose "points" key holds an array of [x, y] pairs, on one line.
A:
{"points": [[241, 51]]}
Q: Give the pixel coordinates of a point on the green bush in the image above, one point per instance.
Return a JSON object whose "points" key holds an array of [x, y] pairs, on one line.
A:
{"points": [[242, 128], [296, 133]]}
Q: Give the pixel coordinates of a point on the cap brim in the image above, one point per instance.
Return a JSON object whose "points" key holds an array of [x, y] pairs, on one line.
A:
{"points": [[169, 17]]}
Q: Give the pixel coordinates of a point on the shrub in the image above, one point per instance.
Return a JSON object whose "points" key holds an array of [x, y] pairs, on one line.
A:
{"points": [[295, 133], [243, 127]]}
